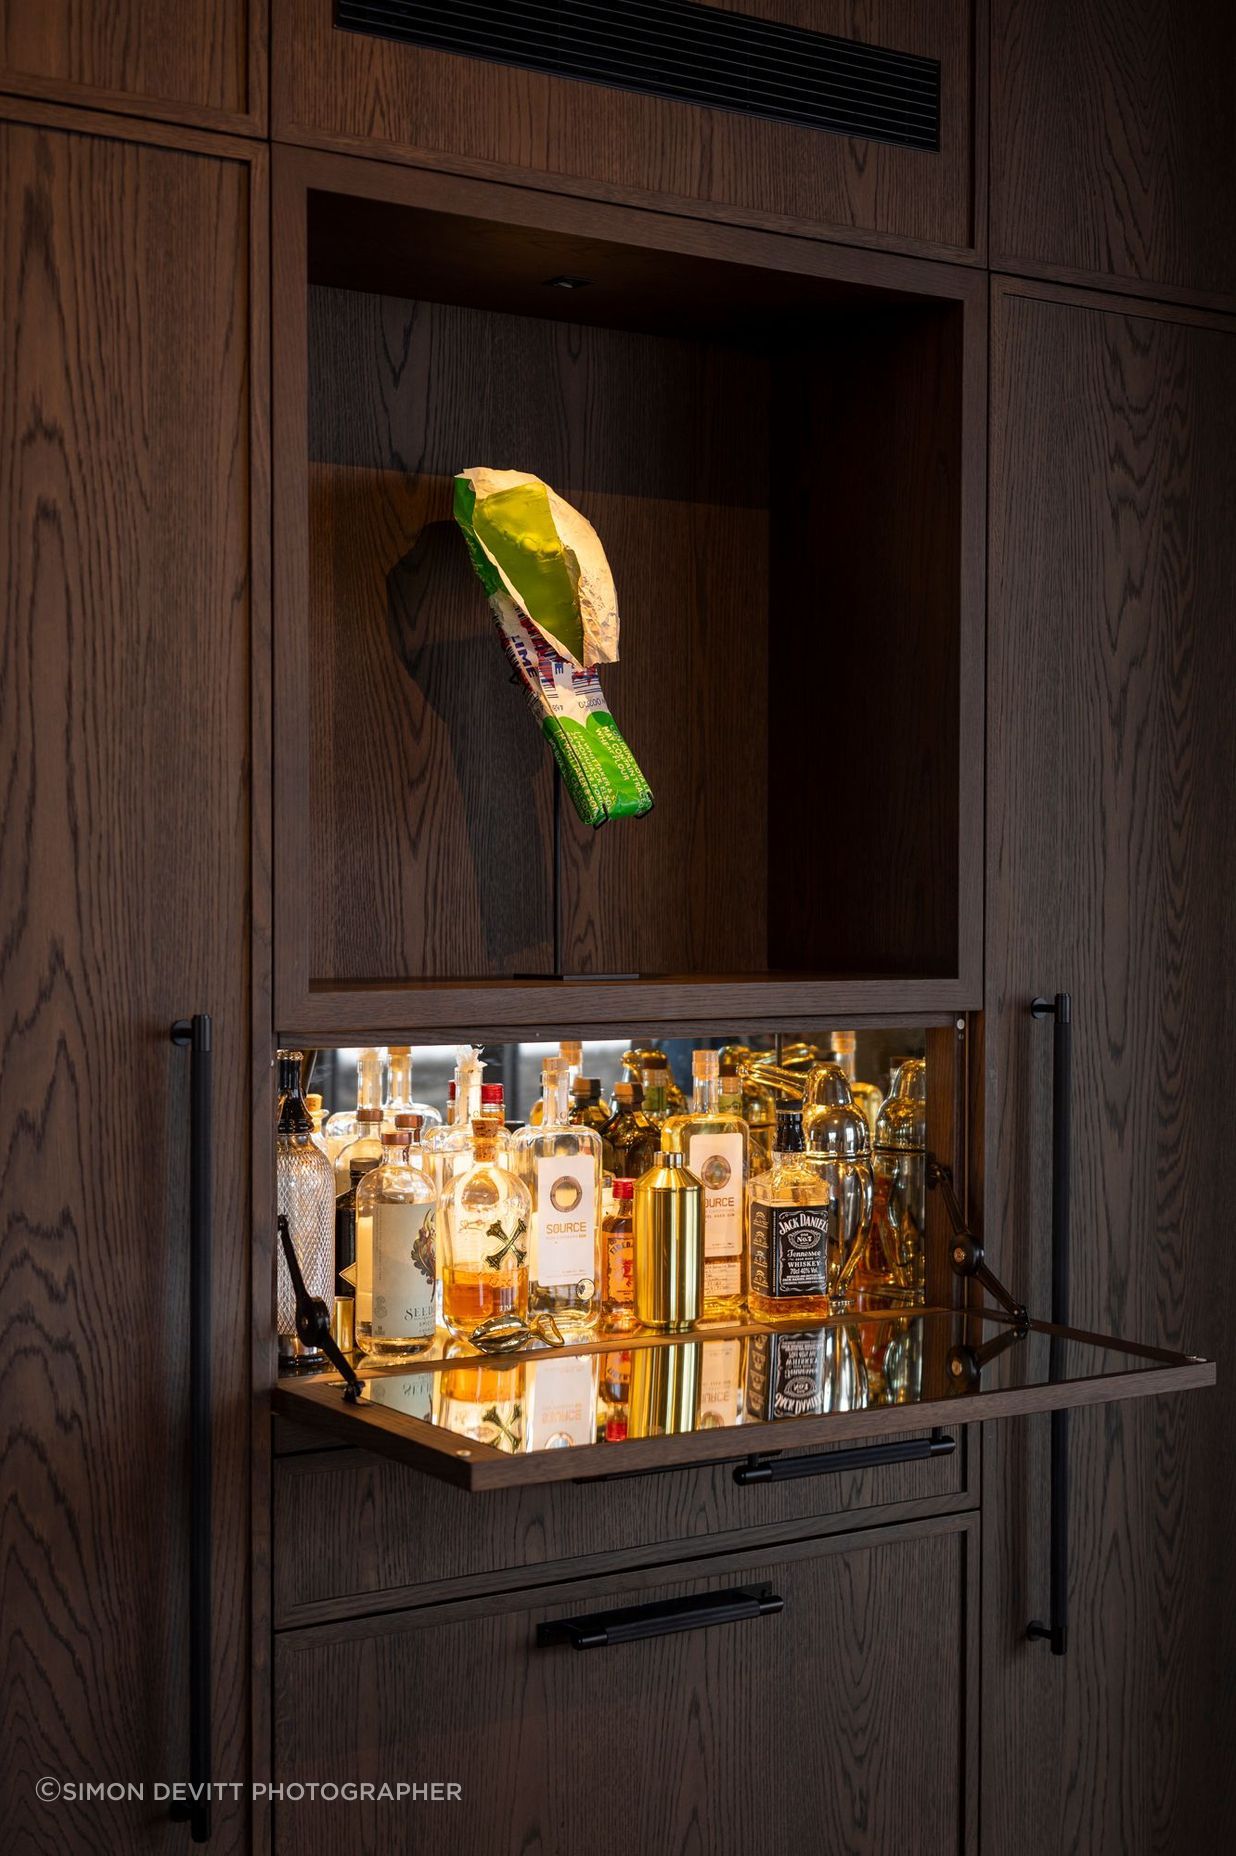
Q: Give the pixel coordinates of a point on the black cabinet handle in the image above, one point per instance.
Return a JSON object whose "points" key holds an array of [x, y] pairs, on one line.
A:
{"points": [[195, 1033], [1060, 1011], [603, 1629], [833, 1462]]}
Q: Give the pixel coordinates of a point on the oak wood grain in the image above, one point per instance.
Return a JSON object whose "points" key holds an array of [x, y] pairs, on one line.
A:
{"points": [[657, 1745], [357, 1534], [366, 94], [125, 460], [1113, 141], [192, 61], [1111, 826]]}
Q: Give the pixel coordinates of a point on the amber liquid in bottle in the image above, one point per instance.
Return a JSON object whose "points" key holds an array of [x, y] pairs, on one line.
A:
{"points": [[795, 1258]]}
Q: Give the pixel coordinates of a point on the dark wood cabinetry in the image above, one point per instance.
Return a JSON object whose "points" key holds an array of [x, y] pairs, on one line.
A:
{"points": [[191, 61], [129, 480], [362, 91], [1113, 143], [1110, 846], [827, 1724]]}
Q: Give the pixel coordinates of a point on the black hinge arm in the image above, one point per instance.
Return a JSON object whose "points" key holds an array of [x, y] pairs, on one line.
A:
{"points": [[313, 1317], [967, 1252]]}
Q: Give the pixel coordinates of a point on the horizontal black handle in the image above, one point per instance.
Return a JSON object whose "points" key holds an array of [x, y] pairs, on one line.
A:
{"points": [[604, 1628], [833, 1462]]}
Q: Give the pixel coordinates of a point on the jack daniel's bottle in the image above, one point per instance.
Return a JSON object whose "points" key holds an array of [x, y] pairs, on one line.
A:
{"points": [[794, 1239]]}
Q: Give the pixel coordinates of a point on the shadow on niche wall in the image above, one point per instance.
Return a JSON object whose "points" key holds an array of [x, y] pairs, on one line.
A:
{"points": [[440, 631]]}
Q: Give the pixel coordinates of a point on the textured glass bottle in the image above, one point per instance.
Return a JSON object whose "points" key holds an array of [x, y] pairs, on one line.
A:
{"points": [[795, 1248], [714, 1144], [305, 1196], [484, 1216], [560, 1165], [397, 1200], [836, 1133]]}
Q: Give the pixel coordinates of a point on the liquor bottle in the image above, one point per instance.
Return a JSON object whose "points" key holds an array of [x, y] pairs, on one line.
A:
{"points": [[618, 1261], [892, 1267], [643, 1057], [366, 1144], [588, 1106], [655, 1080], [484, 1215], [485, 1401], [715, 1147], [837, 1136], [804, 1375], [341, 1128], [396, 1201], [729, 1097], [614, 1397], [399, 1098], [305, 1196], [448, 1149], [669, 1246], [865, 1096], [795, 1255], [632, 1140], [317, 1115], [571, 1053], [560, 1164]]}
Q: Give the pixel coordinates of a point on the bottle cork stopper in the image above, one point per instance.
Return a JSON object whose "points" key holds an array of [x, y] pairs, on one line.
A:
{"points": [[706, 1063], [413, 1123], [368, 1115], [393, 1138], [571, 1051], [845, 1042]]}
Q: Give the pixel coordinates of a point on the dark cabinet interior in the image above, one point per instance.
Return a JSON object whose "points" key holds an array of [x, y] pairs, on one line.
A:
{"points": [[854, 1722], [777, 461]]}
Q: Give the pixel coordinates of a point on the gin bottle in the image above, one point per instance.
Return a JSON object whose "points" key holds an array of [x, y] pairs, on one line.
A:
{"points": [[560, 1164]]}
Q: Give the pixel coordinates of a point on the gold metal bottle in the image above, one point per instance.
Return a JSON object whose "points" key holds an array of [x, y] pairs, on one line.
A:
{"points": [[669, 1246], [665, 1389]]}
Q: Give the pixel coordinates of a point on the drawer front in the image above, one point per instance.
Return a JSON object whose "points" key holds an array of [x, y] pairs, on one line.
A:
{"points": [[471, 114], [836, 1722], [354, 1534]]}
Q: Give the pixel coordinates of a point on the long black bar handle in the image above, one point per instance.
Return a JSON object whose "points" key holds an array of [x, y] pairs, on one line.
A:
{"points": [[603, 1629], [1060, 1011], [195, 1033], [760, 1469]]}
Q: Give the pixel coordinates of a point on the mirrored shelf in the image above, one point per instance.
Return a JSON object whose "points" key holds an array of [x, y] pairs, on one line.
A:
{"points": [[634, 1404]]}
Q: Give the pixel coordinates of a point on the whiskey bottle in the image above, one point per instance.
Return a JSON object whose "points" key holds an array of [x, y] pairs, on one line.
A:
{"points": [[714, 1144], [560, 1165], [589, 1109], [632, 1140], [483, 1217], [397, 1200], [618, 1260], [305, 1196], [795, 1255]]}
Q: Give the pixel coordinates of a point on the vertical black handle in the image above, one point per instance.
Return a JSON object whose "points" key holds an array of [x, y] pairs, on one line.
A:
{"points": [[1060, 1011], [195, 1033]]}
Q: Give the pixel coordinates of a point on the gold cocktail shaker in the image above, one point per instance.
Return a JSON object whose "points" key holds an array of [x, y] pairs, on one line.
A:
{"points": [[665, 1389], [669, 1246]]}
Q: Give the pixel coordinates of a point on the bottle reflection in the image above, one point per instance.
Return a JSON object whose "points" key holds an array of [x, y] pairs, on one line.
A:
{"points": [[803, 1375], [665, 1389], [485, 1401]]}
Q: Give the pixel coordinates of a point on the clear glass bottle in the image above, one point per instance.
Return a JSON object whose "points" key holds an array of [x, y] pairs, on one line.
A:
{"points": [[714, 1145], [794, 1244], [655, 1080], [631, 1142], [365, 1144], [484, 1222], [399, 1098], [397, 1200], [448, 1149], [560, 1164], [865, 1096], [836, 1134], [618, 1260], [571, 1053], [305, 1196], [340, 1129]]}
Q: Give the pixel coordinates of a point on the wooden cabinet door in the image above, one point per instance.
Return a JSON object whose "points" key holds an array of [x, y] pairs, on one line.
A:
{"points": [[838, 1722], [126, 479], [190, 61], [1112, 841], [1113, 142]]}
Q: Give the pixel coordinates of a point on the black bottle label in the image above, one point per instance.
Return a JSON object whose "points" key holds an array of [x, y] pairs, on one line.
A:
{"points": [[785, 1376], [790, 1248]]}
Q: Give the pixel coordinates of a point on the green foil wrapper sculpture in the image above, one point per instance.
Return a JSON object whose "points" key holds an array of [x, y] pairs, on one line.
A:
{"points": [[552, 597]]}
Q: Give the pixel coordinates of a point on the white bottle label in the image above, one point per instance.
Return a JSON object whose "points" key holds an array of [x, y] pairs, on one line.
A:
{"points": [[563, 1402], [720, 1389], [716, 1159], [564, 1233], [404, 1276]]}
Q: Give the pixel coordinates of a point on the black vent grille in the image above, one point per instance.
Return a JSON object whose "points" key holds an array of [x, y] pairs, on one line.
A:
{"points": [[678, 49]]}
